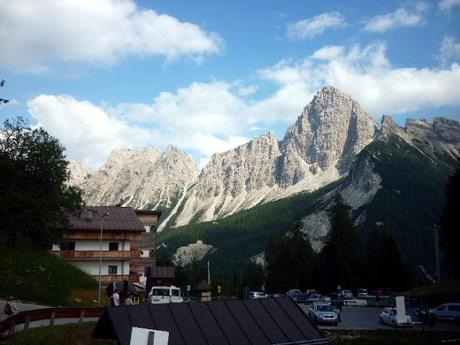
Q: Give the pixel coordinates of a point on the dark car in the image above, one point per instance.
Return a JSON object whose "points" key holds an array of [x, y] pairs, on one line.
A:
{"points": [[297, 295]]}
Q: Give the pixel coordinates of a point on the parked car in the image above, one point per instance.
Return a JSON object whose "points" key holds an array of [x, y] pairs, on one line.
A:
{"points": [[362, 293], [447, 312], [313, 298], [347, 294], [257, 294], [297, 295], [165, 294], [377, 293], [389, 317], [324, 313], [311, 292], [276, 295]]}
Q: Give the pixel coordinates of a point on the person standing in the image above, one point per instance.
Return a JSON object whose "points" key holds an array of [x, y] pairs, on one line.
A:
{"points": [[115, 300]]}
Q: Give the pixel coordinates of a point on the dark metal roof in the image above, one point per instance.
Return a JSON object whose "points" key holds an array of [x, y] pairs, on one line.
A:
{"points": [[264, 321], [118, 219]]}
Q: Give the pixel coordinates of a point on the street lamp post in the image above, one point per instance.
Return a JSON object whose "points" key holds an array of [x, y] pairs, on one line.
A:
{"points": [[100, 257]]}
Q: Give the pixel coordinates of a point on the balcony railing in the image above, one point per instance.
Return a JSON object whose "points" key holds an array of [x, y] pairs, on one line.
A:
{"points": [[106, 279], [93, 254]]}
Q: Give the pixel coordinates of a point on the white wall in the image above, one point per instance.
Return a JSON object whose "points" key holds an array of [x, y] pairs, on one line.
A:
{"points": [[92, 267], [147, 228]]}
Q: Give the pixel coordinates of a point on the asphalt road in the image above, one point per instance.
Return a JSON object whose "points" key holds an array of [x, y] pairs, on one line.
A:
{"points": [[367, 318]]}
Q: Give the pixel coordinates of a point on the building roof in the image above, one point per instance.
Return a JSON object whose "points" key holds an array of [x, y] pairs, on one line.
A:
{"points": [[118, 219], [264, 321]]}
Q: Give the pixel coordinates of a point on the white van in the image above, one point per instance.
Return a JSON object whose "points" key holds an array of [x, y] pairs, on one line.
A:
{"points": [[165, 294]]}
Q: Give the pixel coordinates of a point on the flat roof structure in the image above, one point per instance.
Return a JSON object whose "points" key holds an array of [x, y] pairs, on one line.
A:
{"points": [[265, 321]]}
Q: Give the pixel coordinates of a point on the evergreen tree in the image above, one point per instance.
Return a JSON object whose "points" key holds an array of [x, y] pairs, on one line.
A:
{"points": [[35, 199], [289, 261], [254, 276], [342, 261], [450, 226], [387, 266]]}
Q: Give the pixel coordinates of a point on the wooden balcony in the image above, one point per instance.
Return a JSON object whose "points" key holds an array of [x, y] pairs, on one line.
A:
{"points": [[92, 255], [106, 279]]}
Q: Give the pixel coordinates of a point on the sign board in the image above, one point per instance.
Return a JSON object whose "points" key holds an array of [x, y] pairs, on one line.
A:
{"points": [[189, 287], [400, 310], [146, 336]]}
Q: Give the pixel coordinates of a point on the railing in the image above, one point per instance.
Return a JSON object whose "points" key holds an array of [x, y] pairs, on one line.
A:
{"points": [[93, 254], [51, 314], [105, 279]]}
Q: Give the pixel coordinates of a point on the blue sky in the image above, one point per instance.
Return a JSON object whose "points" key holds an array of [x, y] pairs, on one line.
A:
{"points": [[209, 75]]}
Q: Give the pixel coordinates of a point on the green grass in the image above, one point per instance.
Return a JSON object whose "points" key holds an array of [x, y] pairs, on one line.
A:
{"points": [[73, 334], [33, 275], [391, 337]]}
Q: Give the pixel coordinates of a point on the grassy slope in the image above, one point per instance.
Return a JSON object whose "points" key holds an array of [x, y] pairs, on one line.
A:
{"points": [[242, 235], [36, 276], [411, 199], [66, 334]]}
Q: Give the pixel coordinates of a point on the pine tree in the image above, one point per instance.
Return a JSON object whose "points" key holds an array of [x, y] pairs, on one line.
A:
{"points": [[450, 226], [342, 255]]}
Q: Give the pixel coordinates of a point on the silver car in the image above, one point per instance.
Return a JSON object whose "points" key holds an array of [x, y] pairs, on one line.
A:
{"points": [[324, 313], [447, 312]]}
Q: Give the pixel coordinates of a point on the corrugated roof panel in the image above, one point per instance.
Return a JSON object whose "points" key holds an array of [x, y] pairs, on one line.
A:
{"points": [[163, 319], [140, 316], [282, 319], [227, 323], [247, 323], [119, 316], [299, 318], [208, 324], [266, 323], [187, 324]]}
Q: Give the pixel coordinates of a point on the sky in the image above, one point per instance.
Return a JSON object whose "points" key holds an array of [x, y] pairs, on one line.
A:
{"points": [[207, 76]]}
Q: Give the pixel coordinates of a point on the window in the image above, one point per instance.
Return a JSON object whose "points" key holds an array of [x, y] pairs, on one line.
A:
{"points": [[113, 245], [453, 307], [113, 269], [68, 245]]}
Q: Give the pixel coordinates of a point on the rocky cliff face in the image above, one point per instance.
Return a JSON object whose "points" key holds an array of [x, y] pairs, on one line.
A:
{"points": [[79, 172], [316, 150], [321, 147], [147, 178]]}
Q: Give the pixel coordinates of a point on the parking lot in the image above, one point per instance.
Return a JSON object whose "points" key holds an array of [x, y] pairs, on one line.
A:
{"points": [[367, 318]]}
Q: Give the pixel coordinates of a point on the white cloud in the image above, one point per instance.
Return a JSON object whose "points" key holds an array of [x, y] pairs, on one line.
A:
{"points": [[400, 18], [308, 28], [449, 51], [204, 118], [37, 33], [88, 132], [446, 5], [366, 74]]}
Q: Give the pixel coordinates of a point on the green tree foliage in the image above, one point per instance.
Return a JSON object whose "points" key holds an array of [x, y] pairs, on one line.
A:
{"points": [[254, 276], [289, 261], [386, 264], [341, 261], [35, 200], [450, 226]]}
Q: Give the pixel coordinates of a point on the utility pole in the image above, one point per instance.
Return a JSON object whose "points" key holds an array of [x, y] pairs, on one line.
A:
{"points": [[209, 275], [100, 258]]}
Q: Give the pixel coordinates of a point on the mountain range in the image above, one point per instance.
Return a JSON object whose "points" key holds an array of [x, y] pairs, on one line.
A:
{"points": [[334, 145]]}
